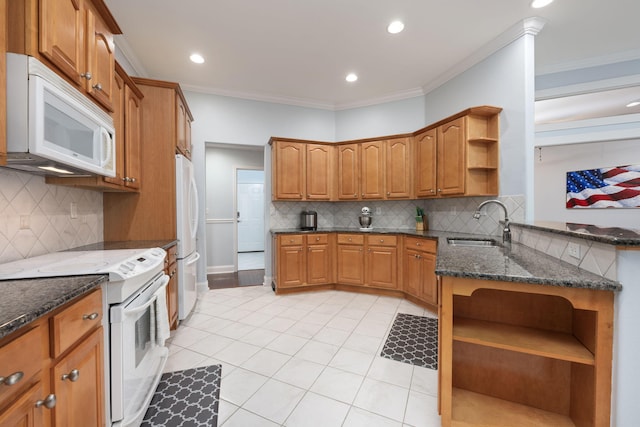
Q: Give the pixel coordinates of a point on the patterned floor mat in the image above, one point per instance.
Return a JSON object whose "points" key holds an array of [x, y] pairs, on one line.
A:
{"points": [[414, 340], [186, 398]]}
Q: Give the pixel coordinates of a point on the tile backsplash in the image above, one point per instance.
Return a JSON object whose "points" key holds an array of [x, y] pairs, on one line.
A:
{"points": [[455, 215], [35, 218]]}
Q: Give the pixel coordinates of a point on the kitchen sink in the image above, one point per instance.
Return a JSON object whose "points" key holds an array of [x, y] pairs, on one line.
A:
{"points": [[478, 243]]}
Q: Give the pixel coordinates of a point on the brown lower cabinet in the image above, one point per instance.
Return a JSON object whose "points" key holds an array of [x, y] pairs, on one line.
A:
{"points": [[171, 270], [60, 357], [366, 262]]}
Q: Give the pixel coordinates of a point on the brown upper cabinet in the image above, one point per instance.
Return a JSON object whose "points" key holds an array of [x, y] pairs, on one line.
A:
{"points": [[458, 156], [302, 171], [455, 157], [183, 127], [74, 36]]}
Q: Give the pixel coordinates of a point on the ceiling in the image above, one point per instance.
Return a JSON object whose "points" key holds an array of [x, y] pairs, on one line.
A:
{"points": [[299, 51]]}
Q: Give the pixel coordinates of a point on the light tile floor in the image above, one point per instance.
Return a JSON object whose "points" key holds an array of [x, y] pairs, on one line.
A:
{"points": [[301, 360]]}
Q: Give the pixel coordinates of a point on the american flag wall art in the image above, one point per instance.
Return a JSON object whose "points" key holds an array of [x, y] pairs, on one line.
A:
{"points": [[616, 187]]}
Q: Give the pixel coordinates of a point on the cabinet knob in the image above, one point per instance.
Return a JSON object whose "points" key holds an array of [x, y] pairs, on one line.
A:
{"points": [[439, 190], [48, 402], [381, 240], [132, 180], [362, 194], [349, 238], [355, 195], [71, 376], [87, 76], [317, 239], [418, 244], [12, 379], [92, 316], [388, 193], [97, 86], [431, 190]]}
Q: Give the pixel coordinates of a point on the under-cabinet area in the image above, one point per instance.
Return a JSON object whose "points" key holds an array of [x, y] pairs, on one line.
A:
{"points": [[524, 354]]}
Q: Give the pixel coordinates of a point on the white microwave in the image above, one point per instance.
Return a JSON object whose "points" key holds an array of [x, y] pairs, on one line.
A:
{"points": [[52, 129]]}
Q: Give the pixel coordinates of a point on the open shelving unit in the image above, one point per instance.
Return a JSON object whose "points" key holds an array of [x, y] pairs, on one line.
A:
{"points": [[524, 354], [483, 151]]}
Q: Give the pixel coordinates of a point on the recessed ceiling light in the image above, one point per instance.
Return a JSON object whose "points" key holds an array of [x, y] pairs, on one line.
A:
{"points": [[197, 58], [351, 77], [634, 103], [537, 4], [395, 27]]}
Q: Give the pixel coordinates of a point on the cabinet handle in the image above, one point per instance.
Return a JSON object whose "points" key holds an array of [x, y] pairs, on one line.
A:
{"points": [[48, 402], [71, 376], [87, 76], [12, 379], [97, 86], [92, 316]]}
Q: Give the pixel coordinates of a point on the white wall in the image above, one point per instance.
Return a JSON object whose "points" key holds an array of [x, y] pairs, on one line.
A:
{"points": [[551, 166], [505, 79], [390, 118]]}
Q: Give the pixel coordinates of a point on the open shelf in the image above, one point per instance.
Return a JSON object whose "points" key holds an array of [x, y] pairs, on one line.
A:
{"points": [[556, 345], [482, 140], [475, 409]]}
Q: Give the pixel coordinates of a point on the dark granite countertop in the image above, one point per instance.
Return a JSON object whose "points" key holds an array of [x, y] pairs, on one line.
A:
{"points": [[127, 244], [518, 263], [25, 300], [404, 231], [611, 235]]}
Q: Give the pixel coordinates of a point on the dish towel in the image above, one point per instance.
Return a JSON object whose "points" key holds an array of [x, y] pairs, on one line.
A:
{"points": [[162, 316]]}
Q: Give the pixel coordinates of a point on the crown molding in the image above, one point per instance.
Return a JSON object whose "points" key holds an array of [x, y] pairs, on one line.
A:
{"points": [[528, 26], [395, 96], [130, 56]]}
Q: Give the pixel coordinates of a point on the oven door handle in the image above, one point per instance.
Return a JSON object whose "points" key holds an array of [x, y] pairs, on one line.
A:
{"points": [[143, 307]]}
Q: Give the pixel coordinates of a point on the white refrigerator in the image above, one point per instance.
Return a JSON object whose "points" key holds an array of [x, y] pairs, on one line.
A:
{"points": [[187, 217]]}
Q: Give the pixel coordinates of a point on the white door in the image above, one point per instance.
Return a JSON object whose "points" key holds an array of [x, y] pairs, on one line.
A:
{"points": [[250, 210]]}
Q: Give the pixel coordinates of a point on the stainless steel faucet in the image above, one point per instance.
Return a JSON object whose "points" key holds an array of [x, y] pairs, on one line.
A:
{"points": [[506, 231]]}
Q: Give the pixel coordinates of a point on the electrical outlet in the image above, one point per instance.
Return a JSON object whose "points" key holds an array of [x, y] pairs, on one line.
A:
{"points": [[24, 222], [378, 210], [574, 250], [73, 210]]}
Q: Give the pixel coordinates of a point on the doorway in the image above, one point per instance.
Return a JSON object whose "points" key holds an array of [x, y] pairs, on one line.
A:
{"points": [[250, 219]]}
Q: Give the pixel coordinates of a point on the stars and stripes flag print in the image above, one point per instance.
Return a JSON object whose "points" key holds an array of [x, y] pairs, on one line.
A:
{"points": [[617, 187]]}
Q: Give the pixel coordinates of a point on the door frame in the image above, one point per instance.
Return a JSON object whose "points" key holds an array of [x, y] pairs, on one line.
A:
{"points": [[235, 209]]}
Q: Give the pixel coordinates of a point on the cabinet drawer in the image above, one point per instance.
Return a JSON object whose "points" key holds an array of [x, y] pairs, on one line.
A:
{"points": [[20, 361], [426, 245], [75, 321], [350, 239], [382, 240], [317, 239], [291, 239]]}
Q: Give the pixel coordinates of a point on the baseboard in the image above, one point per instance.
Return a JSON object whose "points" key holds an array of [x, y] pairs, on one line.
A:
{"points": [[218, 269]]}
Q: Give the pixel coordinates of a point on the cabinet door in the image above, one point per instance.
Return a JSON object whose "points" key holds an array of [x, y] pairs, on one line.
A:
{"points": [[291, 266], [412, 270], [181, 127], [80, 399], [351, 264], [348, 172], [61, 32], [23, 413], [451, 158], [320, 174], [289, 170], [398, 167], [133, 138], [172, 295], [318, 264], [119, 126], [99, 59], [382, 267], [372, 174], [425, 149], [428, 280]]}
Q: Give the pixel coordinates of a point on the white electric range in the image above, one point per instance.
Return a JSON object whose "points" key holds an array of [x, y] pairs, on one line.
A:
{"points": [[135, 321]]}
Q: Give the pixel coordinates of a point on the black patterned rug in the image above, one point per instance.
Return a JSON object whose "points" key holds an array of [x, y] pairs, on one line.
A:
{"points": [[188, 398], [414, 340]]}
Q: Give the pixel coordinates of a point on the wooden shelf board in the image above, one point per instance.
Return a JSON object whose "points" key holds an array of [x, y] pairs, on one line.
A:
{"points": [[489, 168], [556, 345], [475, 409], [482, 140]]}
